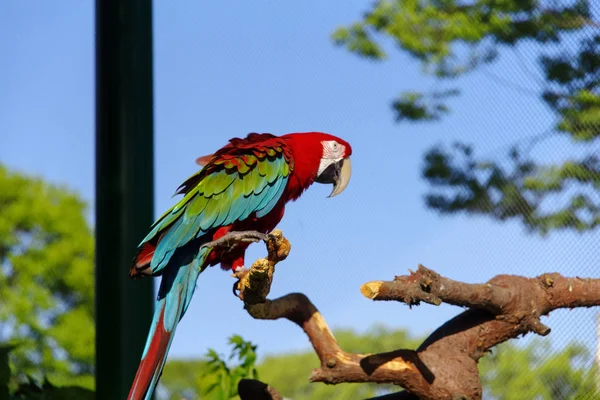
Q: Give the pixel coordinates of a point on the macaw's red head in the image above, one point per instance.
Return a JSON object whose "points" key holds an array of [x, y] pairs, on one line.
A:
{"points": [[322, 158]]}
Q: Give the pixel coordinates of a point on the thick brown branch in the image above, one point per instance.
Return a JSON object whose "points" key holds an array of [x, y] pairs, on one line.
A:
{"points": [[445, 365], [570, 292], [401, 367], [517, 300], [428, 286]]}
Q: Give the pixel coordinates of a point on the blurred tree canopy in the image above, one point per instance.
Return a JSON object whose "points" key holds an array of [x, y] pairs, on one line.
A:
{"points": [[46, 280], [214, 377], [288, 373], [451, 38], [31, 390], [536, 371], [532, 371]]}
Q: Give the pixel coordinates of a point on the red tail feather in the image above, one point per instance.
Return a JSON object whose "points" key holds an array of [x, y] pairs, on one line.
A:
{"points": [[152, 364]]}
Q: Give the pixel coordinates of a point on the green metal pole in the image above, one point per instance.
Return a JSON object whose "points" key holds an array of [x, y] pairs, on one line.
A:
{"points": [[124, 188]]}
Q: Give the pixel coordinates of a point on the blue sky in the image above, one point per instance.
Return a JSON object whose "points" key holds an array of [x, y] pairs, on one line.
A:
{"points": [[226, 69]]}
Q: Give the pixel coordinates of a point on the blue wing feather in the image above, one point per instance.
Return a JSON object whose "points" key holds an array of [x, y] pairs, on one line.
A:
{"points": [[220, 198]]}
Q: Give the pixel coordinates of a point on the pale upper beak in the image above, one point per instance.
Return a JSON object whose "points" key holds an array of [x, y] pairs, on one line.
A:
{"points": [[338, 173]]}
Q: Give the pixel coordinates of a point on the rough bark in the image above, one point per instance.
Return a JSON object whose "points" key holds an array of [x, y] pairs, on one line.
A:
{"points": [[445, 364]]}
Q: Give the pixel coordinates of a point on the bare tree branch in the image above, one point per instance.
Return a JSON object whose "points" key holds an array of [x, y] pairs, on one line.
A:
{"points": [[445, 364], [401, 367]]}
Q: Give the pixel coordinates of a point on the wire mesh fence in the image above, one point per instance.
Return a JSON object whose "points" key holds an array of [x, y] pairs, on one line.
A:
{"points": [[500, 175], [548, 154]]}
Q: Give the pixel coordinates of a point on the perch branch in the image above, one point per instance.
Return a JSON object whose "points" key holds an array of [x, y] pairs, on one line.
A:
{"points": [[445, 365], [401, 367], [254, 284]]}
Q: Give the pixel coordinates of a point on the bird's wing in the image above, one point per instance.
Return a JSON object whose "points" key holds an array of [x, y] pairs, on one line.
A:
{"points": [[245, 177]]}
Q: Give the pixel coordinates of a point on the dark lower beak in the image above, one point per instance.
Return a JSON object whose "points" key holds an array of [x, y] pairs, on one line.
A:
{"points": [[338, 174]]}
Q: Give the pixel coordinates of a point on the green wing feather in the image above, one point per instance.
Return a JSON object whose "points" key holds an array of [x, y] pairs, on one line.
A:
{"points": [[228, 189]]}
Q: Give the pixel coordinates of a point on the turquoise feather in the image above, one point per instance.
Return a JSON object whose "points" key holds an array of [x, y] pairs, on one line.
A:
{"points": [[172, 305], [220, 198]]}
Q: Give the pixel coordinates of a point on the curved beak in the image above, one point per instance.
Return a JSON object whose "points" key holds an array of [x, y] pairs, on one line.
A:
{"points": [[338, 174]]}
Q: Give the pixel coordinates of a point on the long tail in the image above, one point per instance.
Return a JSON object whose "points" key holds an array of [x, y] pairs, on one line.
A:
{"points": [[176, 290]]}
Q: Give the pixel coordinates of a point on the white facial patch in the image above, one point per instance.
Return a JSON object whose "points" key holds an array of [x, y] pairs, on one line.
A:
{"points": [[332, 149], [325, 162], [332, 152]]}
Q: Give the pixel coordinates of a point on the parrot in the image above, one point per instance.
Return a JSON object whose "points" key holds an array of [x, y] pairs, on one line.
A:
{"points": [[243, 186]]}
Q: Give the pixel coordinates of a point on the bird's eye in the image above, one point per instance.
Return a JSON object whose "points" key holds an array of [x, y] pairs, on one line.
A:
{"points": [[332, 149]]}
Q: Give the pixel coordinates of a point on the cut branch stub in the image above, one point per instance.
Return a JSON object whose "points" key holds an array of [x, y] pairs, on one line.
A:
{"points": [[518, 300]]}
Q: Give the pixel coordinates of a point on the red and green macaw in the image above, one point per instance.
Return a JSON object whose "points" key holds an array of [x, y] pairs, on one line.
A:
{"points": [[243, 186]]}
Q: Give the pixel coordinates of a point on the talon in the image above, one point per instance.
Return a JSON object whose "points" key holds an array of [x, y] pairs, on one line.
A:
{"points": [[239, 272], [235, 288]]}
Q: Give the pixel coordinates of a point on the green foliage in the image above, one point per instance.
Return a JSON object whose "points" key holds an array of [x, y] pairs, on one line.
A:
{"points": [[575, 94], [536, 372], [4, 370], [227, 377], [182, 379], [287, 373], [31, 390], [357, 39], [517, 190], [46, 280], [452, 38], [416, 106], [214, 377]]}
